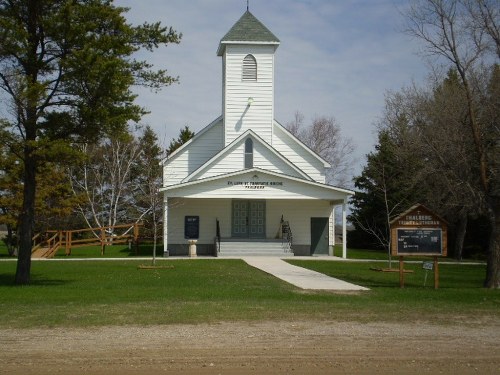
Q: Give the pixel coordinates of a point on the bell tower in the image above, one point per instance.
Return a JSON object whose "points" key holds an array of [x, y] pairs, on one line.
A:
{"points": [[247, 52]]}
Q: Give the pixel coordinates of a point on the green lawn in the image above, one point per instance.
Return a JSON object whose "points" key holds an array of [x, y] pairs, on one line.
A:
{"points": [[92, 293], [115, 251]]}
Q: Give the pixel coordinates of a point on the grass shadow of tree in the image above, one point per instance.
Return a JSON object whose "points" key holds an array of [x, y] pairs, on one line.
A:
{"points": [[8, 279]]}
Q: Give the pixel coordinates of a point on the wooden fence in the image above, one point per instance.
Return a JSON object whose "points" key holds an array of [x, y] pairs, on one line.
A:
{"points": [[48, 245]]}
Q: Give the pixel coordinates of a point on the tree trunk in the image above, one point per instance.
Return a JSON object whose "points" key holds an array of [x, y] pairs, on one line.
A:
{"points": [[27, 217], [461, 230], [493, 264], [26, 220]]}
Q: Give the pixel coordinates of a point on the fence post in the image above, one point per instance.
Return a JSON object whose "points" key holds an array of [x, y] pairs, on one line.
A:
{"points": [[136, 238], [103, 240], [68, 242]]}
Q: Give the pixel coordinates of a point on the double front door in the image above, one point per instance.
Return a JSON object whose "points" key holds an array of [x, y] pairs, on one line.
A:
{"points": [[248, 219]]}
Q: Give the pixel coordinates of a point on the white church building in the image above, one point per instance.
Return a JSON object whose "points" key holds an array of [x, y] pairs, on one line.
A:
{"points": [[244, 184]]}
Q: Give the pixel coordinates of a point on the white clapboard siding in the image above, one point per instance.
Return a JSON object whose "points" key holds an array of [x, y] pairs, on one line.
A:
{"points": [[298, 155], [238, 115], [198, 152], [209, 211], [298, 213], [234, 160]]}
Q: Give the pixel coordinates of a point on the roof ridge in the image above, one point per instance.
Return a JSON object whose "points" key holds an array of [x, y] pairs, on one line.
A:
{"points": [[249, 28]]}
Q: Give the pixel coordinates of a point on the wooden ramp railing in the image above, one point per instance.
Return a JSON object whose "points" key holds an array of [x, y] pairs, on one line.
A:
{"points": [[68, 239]]}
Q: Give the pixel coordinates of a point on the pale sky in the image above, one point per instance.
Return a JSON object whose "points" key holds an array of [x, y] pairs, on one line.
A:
{"points": [[336, 58]]}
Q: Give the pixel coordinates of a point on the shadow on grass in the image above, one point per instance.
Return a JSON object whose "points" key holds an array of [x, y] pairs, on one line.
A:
{"points": [[35, 281], [7, 279], [142, 251]]}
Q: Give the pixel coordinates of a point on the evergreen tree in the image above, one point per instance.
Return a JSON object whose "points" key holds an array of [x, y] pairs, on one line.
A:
{"points": [[387, 186], [185, 135], [149, 199], [67, 67]]}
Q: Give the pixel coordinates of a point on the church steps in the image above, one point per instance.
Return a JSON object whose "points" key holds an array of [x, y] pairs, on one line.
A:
{"points": [[239, 248]]}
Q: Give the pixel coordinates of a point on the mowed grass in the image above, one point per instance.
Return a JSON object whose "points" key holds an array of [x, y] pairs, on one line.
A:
{"points": [[96, 293], [115, 251]]}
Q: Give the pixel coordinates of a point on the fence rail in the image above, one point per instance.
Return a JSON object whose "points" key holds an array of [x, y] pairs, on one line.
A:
{"points": [[100, 236]]}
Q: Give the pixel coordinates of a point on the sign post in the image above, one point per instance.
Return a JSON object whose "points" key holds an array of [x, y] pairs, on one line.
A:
{"points": [[419, 232]]}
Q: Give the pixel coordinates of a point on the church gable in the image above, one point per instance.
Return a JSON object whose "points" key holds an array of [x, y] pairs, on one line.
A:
{"points": [[248, 151], [299, 154], [193, 154]]}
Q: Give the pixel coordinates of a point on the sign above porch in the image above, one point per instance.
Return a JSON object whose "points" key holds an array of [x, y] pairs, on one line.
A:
{"points": [[256, 183]]}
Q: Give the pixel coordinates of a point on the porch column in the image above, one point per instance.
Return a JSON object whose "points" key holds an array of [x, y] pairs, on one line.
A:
{"points": [[331, 237], [165, 225], [344, 229]]}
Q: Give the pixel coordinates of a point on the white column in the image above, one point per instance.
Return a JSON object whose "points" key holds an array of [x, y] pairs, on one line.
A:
{"points": [[165, 224], [344, 229], [331, 239]]}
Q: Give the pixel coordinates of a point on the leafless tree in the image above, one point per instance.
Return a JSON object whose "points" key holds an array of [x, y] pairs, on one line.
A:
{"points": [[105, 179], [324, 136], [460, 34]]}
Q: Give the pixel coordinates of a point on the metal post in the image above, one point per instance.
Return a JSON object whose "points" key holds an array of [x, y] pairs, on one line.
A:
{"points": [[436, 273], [344, 229], [401, 272], [165, 227]]}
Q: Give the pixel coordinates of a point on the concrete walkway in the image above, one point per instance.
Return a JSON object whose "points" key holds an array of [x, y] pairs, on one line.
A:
{"points": [[298, 276]]}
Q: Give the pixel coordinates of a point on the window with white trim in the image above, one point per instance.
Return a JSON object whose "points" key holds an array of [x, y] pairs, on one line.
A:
{"points": [[249, 71], [249, 153]]}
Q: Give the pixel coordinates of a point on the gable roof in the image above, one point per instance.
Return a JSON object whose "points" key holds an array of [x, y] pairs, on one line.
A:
{"points": [[249, 30], [326, 164], [416, 207], [195, 137], [231, 147]]}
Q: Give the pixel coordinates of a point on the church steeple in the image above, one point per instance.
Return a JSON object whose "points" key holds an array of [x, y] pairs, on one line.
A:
{"points": [[247, 52], [248, 29]]}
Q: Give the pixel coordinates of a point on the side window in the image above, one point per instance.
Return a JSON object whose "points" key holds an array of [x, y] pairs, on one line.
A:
{"points": [[249, 71], [249, 153]]}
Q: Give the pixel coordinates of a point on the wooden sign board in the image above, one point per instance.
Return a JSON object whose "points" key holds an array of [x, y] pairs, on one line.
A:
{"points": [[419, 232]]}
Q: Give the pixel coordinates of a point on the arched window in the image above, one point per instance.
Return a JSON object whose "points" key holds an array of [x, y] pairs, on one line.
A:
{"points": [[249, 153], [249, 72]]}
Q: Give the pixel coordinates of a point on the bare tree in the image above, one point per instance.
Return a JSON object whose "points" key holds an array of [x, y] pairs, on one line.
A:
{"points": [[105, 179], [324, 136], [483, 23], [437, 135], [460, 33]]}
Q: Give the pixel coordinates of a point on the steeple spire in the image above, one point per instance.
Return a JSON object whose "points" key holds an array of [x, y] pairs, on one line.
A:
{"points": [[248, 5]]}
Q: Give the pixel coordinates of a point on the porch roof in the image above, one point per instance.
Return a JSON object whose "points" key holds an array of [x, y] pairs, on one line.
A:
{"points": [[256, 183]]}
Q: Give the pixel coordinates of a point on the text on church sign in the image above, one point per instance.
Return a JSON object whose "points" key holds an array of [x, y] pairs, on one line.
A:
{"points": [[255, 185]]}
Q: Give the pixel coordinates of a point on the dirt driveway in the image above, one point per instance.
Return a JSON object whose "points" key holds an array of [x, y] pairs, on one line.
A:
{"points": [[255, 348]]}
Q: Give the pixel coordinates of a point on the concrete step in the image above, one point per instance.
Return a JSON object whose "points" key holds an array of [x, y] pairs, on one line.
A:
{"points": [[232, 248]]}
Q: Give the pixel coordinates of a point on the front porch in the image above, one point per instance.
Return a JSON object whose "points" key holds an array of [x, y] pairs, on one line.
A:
{"points": [[286, 227], [250, 207]]}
